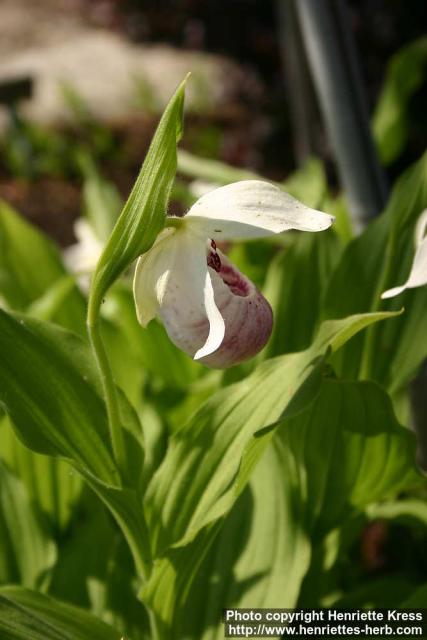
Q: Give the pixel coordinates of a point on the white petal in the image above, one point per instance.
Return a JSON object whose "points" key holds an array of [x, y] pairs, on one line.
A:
{"points": [[83, 256], [172, 281], [418, 274], [151, 274], [421, 228], [216, 321], [251, 209]]}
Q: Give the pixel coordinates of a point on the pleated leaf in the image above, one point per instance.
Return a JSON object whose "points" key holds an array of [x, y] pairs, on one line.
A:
{"points": [[27, 551], [28, 615], [208, 462], [48, 386], [344, 451]]}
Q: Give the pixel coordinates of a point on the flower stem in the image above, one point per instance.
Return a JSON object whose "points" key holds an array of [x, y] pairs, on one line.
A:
{"points": [[108, 384]]}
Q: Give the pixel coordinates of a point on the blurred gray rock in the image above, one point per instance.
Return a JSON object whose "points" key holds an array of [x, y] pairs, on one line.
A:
{"points": [[112, 78]]}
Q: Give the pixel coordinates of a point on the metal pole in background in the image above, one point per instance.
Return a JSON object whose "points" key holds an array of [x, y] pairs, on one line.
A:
{"points": [[303, 108], [334, 65]]}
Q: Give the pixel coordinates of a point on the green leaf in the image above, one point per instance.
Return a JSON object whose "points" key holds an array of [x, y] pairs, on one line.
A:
{"points": [[101, 200], [51, 483], [211, 170], [27, 552], [144, 213], [48, 387], [105, 581], [261, 554], [295, 285], [405, 74], [377, 593], [308, 184], [353, 450], [326, 462], [375, 261], [53, 300], [51, 392], [30, 266], [417, 600], [195, 483], [27, 615], [407, 511]]}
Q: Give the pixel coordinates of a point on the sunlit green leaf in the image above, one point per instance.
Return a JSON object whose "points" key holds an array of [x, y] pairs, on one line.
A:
{"points": [[296, 283], [51, 392], [27, 552], [406, 511], [47, 386], [308, 184], [101, 200], [195, 483], [51, 483], [28, 615], [31, 270], [375, 261], [326, 462]]}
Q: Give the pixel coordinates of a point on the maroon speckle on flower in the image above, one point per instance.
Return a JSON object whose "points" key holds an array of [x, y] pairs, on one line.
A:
{"points": [[213, 259]]}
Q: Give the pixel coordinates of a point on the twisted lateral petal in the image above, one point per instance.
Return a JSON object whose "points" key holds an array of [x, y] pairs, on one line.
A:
{"points": [[251, 209], [418, 274], [172, 281], [421, 228]]}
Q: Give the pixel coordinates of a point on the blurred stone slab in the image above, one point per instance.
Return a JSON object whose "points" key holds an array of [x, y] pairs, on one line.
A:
{"points": [[116, 79]]}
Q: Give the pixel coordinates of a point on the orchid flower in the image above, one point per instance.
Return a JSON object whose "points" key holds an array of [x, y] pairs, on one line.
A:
{"points": [[82, 257], [418, 274], [209, 309]]}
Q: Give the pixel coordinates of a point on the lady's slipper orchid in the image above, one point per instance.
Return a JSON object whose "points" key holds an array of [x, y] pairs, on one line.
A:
{"points": [[81, 258], [418, 274], [211, 310]]}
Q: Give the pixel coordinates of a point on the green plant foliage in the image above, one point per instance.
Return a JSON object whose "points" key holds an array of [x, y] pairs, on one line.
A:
{"points": [[60, 411], [27, 551], [144, 213], [141, 493], [103, 582], [101, 200], [405, 75], [31, 270], [316, 473], [51, 484], [296, 283], [373, 262], [204, 457], [417, 600], [28, 615], [212, 458]]}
